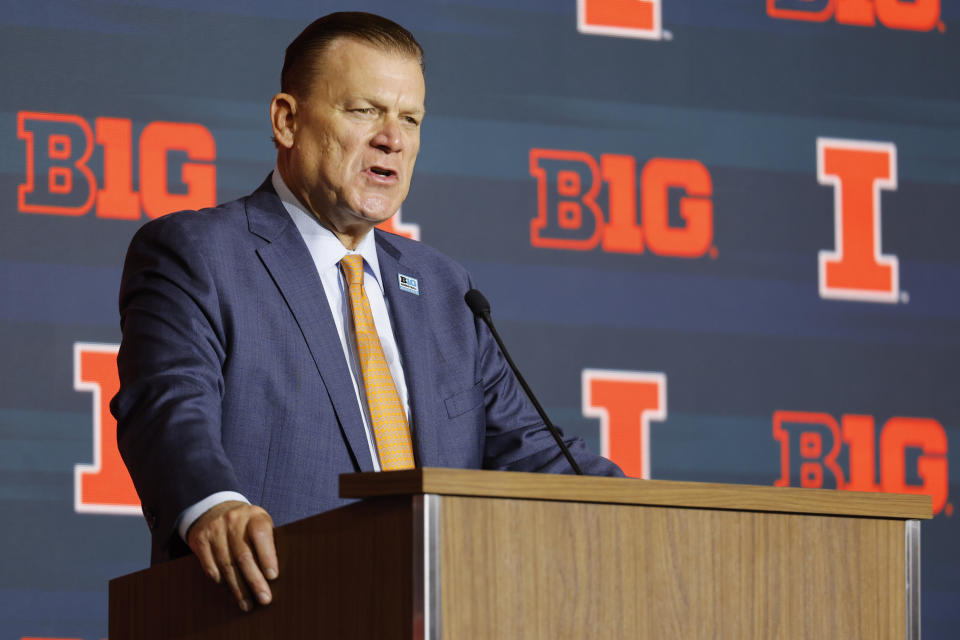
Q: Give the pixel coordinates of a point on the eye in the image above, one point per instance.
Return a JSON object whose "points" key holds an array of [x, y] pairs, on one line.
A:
{"points": [[412, 120], [366, 111]]}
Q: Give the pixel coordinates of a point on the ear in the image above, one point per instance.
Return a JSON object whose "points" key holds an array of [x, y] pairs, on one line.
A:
{"points": [[283, 113]]}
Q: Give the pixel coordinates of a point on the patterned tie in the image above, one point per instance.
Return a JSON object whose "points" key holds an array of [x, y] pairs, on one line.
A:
{"points": [[390, 428]]}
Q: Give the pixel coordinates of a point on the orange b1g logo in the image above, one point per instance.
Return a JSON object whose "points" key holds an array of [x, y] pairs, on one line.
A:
{"points": [[817, 451], [915, 15], [60, 181], [570, 216]]}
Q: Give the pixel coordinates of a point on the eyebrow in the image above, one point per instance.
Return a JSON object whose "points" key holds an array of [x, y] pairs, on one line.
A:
{"points": [[380, 105]]}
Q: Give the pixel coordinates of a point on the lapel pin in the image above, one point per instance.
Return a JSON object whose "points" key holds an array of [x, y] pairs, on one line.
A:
{"points": [[409, 284]]}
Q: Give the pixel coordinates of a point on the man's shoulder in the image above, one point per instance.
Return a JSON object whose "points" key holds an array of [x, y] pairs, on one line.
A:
{"points": [[229, 220], [222, 217]]}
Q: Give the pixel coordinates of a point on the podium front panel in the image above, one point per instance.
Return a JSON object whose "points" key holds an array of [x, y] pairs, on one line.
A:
{"points": [[532, 569]]}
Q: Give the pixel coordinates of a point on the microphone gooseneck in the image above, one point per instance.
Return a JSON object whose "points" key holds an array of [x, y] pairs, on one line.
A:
{"points": [[481, 308]]}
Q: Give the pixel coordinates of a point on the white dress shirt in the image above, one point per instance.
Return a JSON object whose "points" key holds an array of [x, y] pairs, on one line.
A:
{"points": [[327, 251]]}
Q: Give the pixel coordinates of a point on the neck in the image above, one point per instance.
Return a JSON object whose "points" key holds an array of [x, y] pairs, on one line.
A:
{"points": [[349, 240], [349, 235]]}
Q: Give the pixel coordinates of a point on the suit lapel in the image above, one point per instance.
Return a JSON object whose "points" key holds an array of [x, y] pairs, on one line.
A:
{"points": [[287, 259], [412, 330]]}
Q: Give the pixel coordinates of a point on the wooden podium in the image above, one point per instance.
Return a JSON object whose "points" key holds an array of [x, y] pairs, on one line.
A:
{"points": [[454, 554]]}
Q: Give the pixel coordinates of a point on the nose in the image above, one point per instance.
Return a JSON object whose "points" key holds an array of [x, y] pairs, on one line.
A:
{"points": [[389, 138]]}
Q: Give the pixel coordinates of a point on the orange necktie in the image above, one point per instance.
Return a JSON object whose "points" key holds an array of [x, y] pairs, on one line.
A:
{"points": [[390, 429]]}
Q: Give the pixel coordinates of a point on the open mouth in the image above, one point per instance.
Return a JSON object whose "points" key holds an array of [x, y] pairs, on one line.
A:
{"points": [[382, 172]]}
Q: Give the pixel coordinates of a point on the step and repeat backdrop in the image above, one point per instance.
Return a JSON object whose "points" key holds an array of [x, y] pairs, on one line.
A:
{"points": [[721, 238]]}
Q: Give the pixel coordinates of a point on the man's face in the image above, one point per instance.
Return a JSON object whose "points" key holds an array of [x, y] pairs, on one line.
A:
{"points": [[355, 135]]}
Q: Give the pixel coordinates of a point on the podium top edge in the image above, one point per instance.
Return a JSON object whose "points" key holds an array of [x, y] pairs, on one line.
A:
{"points": [[632, 491]]}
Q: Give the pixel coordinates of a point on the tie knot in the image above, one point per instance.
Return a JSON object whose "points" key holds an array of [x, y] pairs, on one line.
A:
{"points": [[353, 268]]}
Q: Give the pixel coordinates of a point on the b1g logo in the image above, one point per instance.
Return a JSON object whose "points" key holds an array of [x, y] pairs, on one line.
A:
{"points": [[818, 452], [625, 402], [60, 181], [570, 216], [858, 170], [916, 15], [622, 18]]}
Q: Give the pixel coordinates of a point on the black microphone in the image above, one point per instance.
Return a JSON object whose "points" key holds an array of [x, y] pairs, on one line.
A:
{"points": [[481, 308]]}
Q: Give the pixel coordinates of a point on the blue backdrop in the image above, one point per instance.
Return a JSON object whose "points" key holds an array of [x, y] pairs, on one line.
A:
{"points": [[728, 227]]}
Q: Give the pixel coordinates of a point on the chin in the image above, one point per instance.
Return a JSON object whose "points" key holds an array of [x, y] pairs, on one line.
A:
{"points": [[378, 212]]}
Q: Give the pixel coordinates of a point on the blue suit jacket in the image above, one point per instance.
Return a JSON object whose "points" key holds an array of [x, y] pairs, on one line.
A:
{"points": [[233, 376]]}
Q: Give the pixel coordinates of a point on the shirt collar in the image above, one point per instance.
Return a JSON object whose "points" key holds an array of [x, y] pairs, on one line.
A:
{"points": [[326, 248]]}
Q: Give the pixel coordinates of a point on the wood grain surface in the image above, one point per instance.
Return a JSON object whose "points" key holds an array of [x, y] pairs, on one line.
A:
{"points": [[633, 491], [535, 556], [329, 566], [547, 570]]}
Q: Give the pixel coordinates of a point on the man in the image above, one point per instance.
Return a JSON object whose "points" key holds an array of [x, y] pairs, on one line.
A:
{"points": [[274, 342]]}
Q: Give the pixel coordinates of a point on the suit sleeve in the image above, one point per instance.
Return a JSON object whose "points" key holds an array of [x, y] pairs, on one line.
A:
{"points": [[516, 437], [171, 357]]}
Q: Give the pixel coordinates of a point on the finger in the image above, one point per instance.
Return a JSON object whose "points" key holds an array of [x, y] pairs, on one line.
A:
{"points": [[238, 587], [201, 534], [201, 549], [230, 573], [247, 566], [261, 535]]}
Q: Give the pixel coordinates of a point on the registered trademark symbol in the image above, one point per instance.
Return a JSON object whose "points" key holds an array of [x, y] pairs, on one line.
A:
{"points": [[904, 297], [948, 509], [668, 35]]}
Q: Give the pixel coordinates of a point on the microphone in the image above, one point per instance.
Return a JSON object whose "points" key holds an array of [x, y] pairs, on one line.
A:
{"points": [[481, 308]]}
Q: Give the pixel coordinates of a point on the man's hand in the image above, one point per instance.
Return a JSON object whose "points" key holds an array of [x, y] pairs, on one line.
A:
{"points": [[234, 543]]}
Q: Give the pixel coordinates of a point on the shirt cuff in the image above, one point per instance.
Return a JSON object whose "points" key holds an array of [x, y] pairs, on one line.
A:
{"points": [[190, 514]]}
